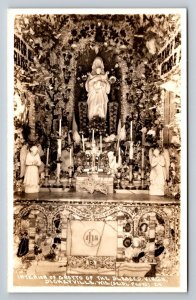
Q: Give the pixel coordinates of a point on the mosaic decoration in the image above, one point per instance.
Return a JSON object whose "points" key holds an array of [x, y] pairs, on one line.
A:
{"points": [[146, 233]]}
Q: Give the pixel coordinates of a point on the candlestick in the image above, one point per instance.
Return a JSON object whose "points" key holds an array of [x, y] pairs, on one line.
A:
{"points": [[47, 156], [83, 148], [118, 176], [130, 174], [58, 171], [59, 127], [131, 131], [70, 177]]}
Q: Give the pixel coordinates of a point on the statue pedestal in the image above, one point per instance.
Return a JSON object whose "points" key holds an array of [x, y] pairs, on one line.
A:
{"points": [[156, 190]]}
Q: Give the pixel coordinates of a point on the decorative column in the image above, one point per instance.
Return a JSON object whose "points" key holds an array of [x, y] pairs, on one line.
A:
{"points": [[31, 232], [120, 236], [124, 89], [71, 86], [64, 239], [32, 114], [151, 250]]}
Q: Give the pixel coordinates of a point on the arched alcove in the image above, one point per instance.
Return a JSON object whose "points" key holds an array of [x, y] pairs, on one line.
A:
{"points": [[83, 67]]}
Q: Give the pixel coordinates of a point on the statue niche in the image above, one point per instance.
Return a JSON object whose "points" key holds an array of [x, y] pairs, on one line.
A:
{"points": [[97, 96], [98, 88]]}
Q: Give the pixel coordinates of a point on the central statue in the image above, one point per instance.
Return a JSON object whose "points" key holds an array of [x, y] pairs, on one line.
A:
{"points": [[98, 87]]}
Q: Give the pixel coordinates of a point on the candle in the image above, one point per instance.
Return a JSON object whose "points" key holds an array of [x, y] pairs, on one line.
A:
{"points": [[47, 156], [143, 138], [131, 150], [117, 147], [83, 148], [59, 127], [69, 139], [119, 155], [93, 136], [131, 131], [59, 147], [101, 143]]}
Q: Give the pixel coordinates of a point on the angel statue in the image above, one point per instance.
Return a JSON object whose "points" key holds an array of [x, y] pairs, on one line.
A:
{"points": [[98, 87], [112, 162], [31, 178], [159, 162]]}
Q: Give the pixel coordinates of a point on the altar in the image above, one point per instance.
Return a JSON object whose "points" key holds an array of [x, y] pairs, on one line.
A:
{"points": [[120, 234]]}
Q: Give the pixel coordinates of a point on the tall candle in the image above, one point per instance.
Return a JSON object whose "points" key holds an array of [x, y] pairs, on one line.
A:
{"points": [[59, 147], [119, 155], [83, 148], [118, 145], [131, 131], [59, 127], [143, 138], [47, 156], [69, 139], [131, 150]]}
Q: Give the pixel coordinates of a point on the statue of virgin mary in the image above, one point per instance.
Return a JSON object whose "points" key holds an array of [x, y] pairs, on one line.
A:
{"points": [[98, 87]]}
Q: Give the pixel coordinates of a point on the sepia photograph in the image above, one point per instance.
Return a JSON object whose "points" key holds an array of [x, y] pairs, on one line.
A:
{"points": [[97, 141]]}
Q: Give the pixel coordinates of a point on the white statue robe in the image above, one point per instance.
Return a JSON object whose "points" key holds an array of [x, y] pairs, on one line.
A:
{"points": [[157, 176], [31, 179], [98, 88]]}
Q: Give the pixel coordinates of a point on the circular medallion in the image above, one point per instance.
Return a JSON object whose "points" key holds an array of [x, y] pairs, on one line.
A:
{"points": [[127, 242], [91, 237], [127, 227]]}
